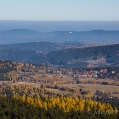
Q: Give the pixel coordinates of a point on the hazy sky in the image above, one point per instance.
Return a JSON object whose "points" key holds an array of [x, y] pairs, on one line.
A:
{"points": [[59, 10]]}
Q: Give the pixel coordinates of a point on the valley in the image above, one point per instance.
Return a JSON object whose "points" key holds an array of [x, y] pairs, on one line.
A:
{"points": [[59, 59], [75, 71], [97, 83]]}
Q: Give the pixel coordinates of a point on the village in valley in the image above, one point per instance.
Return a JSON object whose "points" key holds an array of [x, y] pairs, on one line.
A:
{"points": [[101, 84]]}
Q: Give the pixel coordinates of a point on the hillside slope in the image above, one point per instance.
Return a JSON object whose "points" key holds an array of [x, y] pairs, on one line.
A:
{"points": [[73, 57], [40, 46], [90, 56]]}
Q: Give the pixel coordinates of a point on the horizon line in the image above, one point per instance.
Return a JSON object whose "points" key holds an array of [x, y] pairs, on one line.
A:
{"points": [[64, 20]]}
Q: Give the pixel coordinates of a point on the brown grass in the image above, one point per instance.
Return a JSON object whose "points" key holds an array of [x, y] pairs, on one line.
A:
{"points": [[92, 87]]}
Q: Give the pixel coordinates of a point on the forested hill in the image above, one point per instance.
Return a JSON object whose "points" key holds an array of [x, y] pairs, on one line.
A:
{"points": [[40, 46], [87, 57], [98, 56], [26, 35]]}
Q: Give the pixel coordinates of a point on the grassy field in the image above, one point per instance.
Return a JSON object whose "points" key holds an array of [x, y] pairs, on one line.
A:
{"points": [[92, 87], [58, 91]]}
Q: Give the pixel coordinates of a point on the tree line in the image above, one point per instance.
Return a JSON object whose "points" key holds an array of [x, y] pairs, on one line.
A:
{"points": [[22, 107]]}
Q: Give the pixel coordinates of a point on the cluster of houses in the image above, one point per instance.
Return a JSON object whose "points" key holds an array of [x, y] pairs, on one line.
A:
{"points": [[102, 73]]}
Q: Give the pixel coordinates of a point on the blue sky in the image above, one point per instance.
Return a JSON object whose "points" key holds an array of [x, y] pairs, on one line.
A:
{"points": [[60, 10]]}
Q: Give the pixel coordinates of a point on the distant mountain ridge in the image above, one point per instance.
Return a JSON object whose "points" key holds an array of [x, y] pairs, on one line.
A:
{"points": [[26, 35]]}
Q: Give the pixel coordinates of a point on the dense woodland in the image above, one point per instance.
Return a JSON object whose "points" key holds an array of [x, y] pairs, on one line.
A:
{"points": [[18, 101], [84, 57], [54, 108], [41, 46]]}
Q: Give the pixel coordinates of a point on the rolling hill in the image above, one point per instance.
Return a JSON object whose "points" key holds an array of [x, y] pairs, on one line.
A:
{"points": [[40, 46], [26, 35], [107, 55]]}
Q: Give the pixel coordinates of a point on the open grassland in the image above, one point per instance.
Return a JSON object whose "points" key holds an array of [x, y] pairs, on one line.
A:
{"points": [[57, 91], [98, 80], [92, 87]]}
